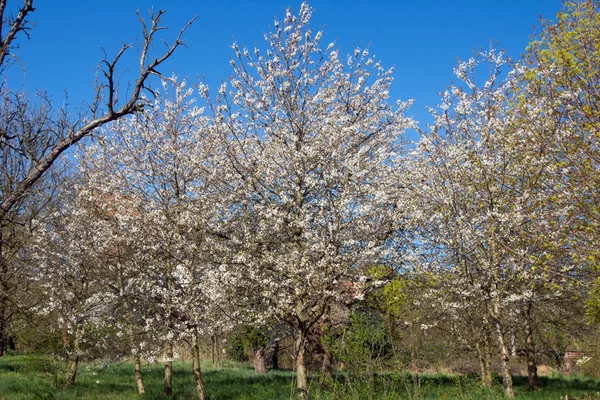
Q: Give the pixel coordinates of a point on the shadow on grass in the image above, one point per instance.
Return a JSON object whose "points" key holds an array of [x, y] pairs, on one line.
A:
{"points": [[25, 378], [569, 382]]}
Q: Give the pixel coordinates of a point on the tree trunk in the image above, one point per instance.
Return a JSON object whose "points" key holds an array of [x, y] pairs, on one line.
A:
{"points": [[218, 349], [391, 332], [260, 366], [65, 335], [275, 356], [197, 371], [487, 357], [2, 330], [559, 359], [327, 365], [139, 379], [487, 362], [4, 313], [484, 364], [73, 366], [413, 356], [505, 357], [301, 376], [481, 363], [507, 378], [513, 343], [213, 350], [532, 377], [74, 362], [168, 381]]}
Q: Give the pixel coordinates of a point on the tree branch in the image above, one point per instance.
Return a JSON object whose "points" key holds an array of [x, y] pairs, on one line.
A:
{"points": [[77, 132], [17, 25]]}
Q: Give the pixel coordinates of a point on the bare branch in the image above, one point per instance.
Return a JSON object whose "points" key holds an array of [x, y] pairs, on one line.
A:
{"points": [[77, 131], [19, 24], [109, 75]]}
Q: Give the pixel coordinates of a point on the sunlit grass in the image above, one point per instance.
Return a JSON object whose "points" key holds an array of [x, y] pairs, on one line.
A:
{"points": [[34, 377]]}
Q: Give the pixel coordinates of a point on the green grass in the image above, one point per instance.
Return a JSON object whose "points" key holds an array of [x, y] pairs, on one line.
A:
{"points": [[35, 377]]}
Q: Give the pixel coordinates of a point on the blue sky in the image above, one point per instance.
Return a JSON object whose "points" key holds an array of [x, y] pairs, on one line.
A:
{"points": [[420, 39]]}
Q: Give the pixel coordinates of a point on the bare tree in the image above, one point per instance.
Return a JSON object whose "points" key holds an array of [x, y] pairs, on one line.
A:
{"points": [[33, 134], [14, 26]]}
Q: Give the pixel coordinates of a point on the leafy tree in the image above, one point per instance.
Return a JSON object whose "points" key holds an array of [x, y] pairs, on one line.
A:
{"points": [[562, 79]]}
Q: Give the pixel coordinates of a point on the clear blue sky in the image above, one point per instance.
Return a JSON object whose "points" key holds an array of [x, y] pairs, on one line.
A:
{"points": [[421, 39]]}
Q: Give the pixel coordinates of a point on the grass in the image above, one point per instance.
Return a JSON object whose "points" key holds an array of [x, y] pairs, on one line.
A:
{"points": [[35, 377]]}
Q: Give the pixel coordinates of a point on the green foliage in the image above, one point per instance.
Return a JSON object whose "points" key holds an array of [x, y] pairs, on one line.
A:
{"points": [[244, 340], [563, 74], [571, 47], [393, 297], [36, 339], [235, 346], [256, 337], [362, 346]]}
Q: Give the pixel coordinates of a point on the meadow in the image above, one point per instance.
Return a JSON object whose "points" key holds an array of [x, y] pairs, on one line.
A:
{"points": [[35, 377]]}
